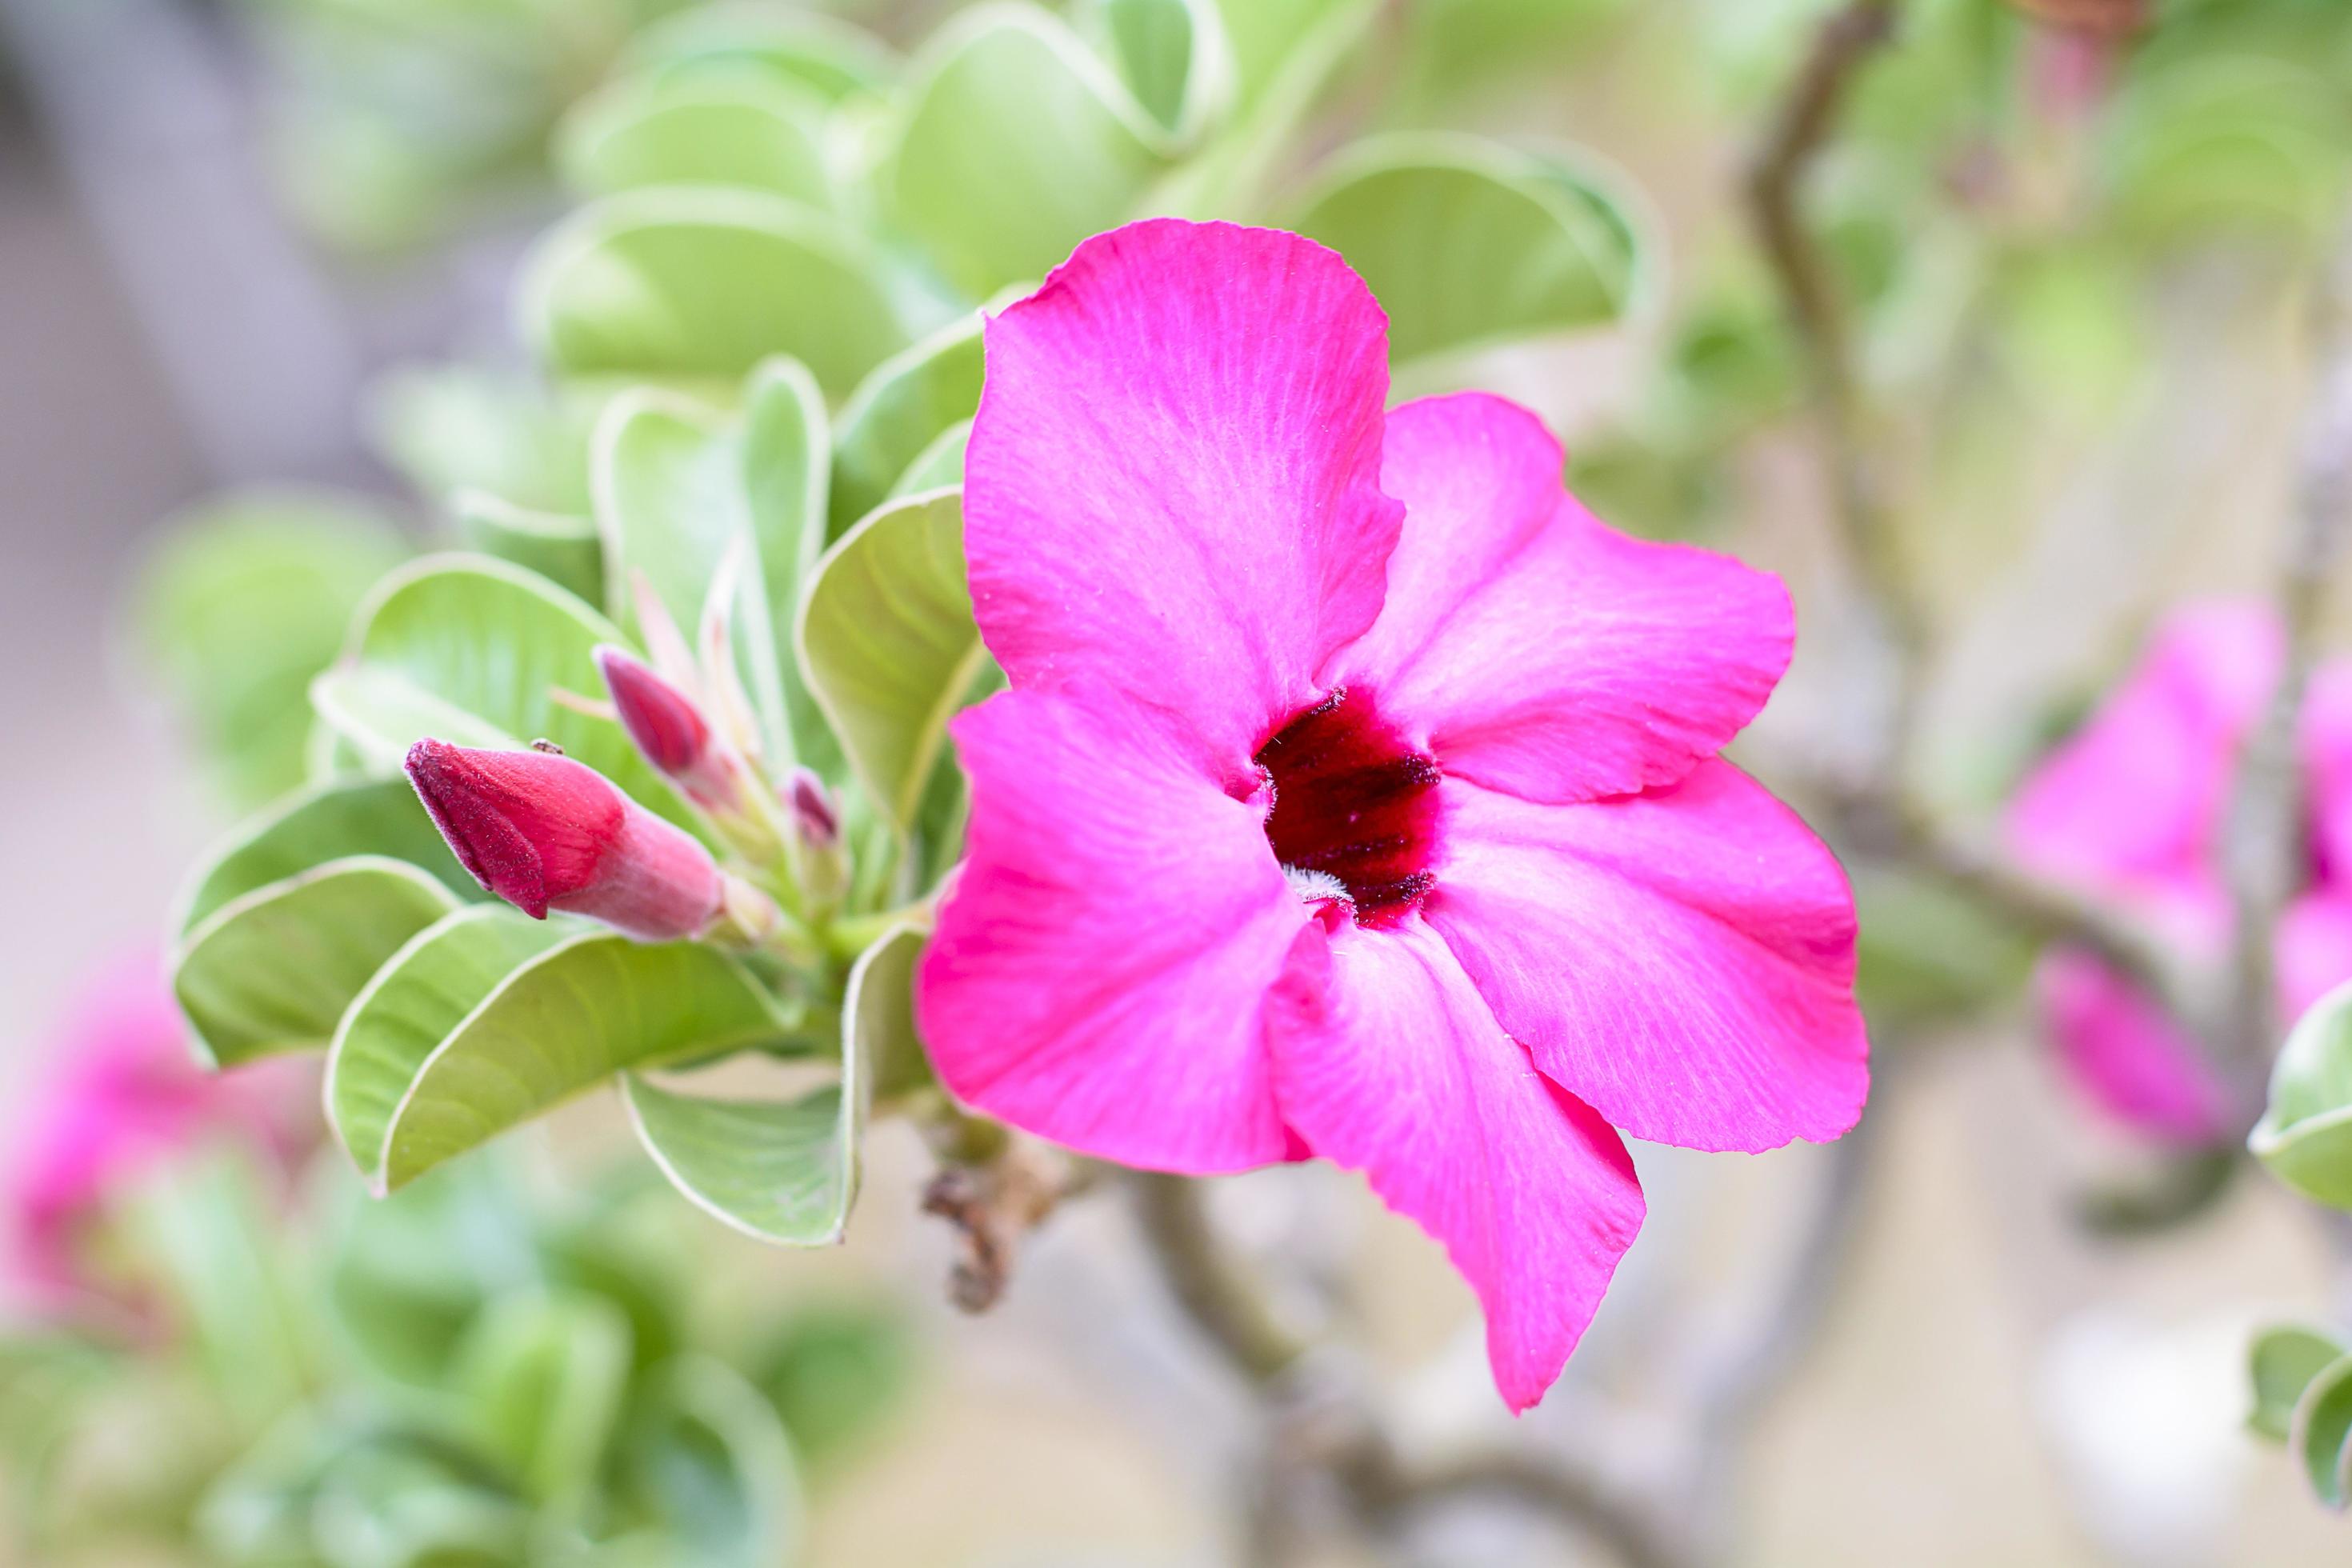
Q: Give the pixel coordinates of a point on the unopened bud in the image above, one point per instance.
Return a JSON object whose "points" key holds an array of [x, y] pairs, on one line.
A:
{"points": [[816, 832], [669, 729], [543, 833], [813, 810]]}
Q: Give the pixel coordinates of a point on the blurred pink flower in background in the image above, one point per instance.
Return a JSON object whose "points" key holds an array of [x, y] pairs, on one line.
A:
{"points": [[2132, 809], [1356, 794], [116, 1099]]}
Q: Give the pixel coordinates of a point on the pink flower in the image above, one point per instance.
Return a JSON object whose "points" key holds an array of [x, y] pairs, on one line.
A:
{"points": [[1356, 794], [120, 1098], [2131, 808], [543, 833]]}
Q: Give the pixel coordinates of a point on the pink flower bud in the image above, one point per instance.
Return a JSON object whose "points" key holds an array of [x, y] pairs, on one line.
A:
{"points": [[669, 727], [813, 809], [543, 833]]}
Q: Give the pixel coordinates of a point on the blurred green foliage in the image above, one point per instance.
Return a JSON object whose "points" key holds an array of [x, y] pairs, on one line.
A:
{"points": [[461, 1375]]}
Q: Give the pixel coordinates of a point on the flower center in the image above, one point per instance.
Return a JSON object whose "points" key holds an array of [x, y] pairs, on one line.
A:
{"points": [[1354, 807]]}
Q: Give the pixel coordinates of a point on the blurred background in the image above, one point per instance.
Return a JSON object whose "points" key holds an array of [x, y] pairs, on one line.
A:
{"points": [[2084, 259]]}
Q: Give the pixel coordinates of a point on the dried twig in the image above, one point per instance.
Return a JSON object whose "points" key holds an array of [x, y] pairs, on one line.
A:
{"points": [[1809, 288], [2262, 840], [1229, 1307]]}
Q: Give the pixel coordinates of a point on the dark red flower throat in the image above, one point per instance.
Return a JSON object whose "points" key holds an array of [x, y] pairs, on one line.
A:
{"points": [[1355, 802]]}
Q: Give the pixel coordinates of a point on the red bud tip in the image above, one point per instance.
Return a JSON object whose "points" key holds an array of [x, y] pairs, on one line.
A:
{"points": [[812, 808], [545, 833], [662, 721]]}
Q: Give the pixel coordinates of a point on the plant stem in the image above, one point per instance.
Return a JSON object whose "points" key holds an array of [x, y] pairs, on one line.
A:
{"points": [[2263, 839]]}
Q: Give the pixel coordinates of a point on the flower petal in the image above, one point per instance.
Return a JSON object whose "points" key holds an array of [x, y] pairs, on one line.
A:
{"points": [[2326, 747], [1681, 960], [2315, 950], [2137, 794], [1387, 1062], [1100, 970], [1174, 481], [2127, 1056], [1535, 650]]}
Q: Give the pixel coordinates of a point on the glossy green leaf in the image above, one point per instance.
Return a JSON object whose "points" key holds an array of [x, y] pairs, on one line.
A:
{"points": [[482, 653], [1468, 243], [2282, 1364], [325, 821], [713, 1462], [1012, 143], [714, 127], [878, 1012], [787, 441], [909, 401], [2306, 1133], [704, 281], [560, 547], [564, 1022], [787, 1171], [780, 1171], [2321, 1432], [239, 606], [795, 45], [679, 485], [889, 647], [413, 1003], [273, 970], [543, 1376]]}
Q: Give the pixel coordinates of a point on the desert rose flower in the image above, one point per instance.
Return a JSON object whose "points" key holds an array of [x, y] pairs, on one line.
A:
{"points": [[118, 1098], [1357, 793], [2131, 808], [543, 833]]}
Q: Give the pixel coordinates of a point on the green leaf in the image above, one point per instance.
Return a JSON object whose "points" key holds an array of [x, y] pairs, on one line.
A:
{"points": [[779, 1171], [564, 1022], [414, 1002], [560, 547], [1468, 243], [1174, 55], [787, 1171], [542, 1378], [833, 1372], [273, 970], [325, 821], [2321, 1432], [909, 402], [206, 1227], [889, 647], [787, 440], [938, 467], [450, 429], [679, 485], [704, 281], [2306, 1133], [1287, 56], [481, 653], [2282, 1364], [1012, 143], [740, 127], [241, 604], [878, 1012], [829, 56], [713, 1462]]}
